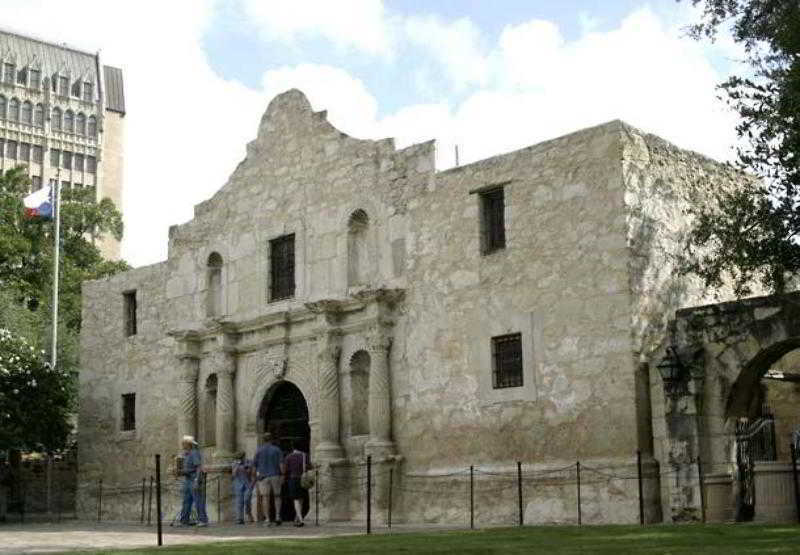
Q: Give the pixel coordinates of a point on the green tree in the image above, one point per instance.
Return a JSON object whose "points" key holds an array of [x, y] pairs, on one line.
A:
{"points": [[751, 234], [37, 416]]}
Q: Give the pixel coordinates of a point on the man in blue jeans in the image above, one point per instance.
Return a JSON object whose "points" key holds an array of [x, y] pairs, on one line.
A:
{"points": [[269, 473], [192, 486]]}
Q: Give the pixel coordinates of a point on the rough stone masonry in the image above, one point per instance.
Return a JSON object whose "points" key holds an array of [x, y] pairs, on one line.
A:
{"points": [[343, 293]]}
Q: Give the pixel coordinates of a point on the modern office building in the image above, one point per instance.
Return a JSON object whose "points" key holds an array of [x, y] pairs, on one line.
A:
{"points": [[62, 115]]}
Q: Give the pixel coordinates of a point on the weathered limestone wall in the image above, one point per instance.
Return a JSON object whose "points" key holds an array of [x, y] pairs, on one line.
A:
{"points": [[561, 281], [113, 364]]}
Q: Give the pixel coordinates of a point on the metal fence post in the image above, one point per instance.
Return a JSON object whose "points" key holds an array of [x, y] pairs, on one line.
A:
{"points": [[158, 499], [141, 518], [316, 496], [796, 485], [519, 489], [389, 517], [578, 475], [99, 499], [641, 496], [471, 497], [702, 489], [150, 501], [219, 496], [369, 494]]}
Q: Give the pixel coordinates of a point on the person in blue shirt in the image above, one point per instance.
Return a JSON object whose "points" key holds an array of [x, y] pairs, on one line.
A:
{"points": [[269, 473], [242, 474], [192, 486]]}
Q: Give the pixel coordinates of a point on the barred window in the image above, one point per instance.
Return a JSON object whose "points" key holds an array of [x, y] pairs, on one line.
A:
{"points": [[493, 229], [66, 160], [88, 92], [76, 89], [2, 148], [56, 120], [3, 107], [91, 164], [128, 412], [129, 298], [12, 150], [69, 121], [281, 268], [37, 153], [8, 73], [54, 157], [507, 361], [27, 113], [80, 124], [25, 151], [63, 86], [92, 126], [78, 162], [13, 110], [22, 76]]}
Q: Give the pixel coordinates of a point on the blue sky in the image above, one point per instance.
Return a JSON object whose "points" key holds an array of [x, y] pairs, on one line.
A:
{"points": [[488, 76]]}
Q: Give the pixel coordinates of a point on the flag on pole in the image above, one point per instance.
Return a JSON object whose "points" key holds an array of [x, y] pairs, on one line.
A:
{"points": [[39, 204]]}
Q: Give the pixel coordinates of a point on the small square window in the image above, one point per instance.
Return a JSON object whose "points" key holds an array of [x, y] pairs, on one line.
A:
{"points": [[493, 227], [130, 313], [507, 361], [128, 412]]}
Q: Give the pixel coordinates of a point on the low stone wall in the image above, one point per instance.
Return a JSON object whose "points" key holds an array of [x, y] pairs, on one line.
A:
{"points": [[28, 490]]}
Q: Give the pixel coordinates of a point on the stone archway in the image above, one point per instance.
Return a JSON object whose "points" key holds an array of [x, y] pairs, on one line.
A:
{"points": [[284, 413], [724, 350]]}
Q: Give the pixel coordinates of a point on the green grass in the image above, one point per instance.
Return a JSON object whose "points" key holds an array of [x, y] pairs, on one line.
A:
{"points": [[695, 539]]}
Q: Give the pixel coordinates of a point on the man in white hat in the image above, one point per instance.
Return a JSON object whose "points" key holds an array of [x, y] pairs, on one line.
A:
{"points": [[192, 487]]}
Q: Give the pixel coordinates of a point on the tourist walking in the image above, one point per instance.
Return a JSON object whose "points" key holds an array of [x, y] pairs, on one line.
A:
{"points": [[296, 464], [192, 486], [269, 473], [242, 474]]}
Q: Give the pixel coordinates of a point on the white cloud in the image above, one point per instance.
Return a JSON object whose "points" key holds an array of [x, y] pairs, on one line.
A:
{"points": [[354, 24]]}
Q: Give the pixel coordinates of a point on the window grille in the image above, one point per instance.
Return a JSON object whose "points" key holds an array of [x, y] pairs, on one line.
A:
{"points": [[63, 86], [12, 150], [56, 123], [25, 151], [80, 124], [22, 76], [281, 267], [92, 127], [27, 113], [128, 412], [507, 361], [2, 148], [66, 160], [493, 227], [78, 162], [130, 313], [76, 89], [54, 156], [37, 153], [3, 106], [91, 164], [8, 73], [87, 92], [69, 121]]}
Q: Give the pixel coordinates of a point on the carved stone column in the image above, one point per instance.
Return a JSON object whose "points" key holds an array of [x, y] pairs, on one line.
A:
{"points": [[380, 396], [328, 363], [225, 425], [187, 395]]}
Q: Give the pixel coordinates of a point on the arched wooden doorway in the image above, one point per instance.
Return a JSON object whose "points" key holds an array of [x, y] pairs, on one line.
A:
{"points": [[284, 413]]}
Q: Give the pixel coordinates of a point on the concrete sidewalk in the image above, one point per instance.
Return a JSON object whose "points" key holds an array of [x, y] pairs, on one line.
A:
{"points": [[82, 535]]}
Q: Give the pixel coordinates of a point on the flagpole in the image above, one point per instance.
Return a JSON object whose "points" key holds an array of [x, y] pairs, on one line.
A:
{"points": [[56, 193]]}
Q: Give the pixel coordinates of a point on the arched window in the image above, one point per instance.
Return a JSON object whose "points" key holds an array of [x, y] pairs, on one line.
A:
{"points": [[92, 130], [214, 293], [80, 124], [357, 248], [13, 110], [359, 393], [56, 119], [27, 113], [210, 412], [69, 121], [3, 107], [38, 116]]}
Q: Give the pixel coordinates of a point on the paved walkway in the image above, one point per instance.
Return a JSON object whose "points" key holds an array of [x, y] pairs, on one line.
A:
{"points": [[80, 535]]}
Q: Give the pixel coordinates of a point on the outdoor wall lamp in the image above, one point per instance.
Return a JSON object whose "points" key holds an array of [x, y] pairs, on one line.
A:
{"points": [[672, 371]]}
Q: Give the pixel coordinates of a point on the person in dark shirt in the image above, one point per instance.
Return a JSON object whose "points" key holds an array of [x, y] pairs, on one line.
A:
{"points": [[296, 463]]}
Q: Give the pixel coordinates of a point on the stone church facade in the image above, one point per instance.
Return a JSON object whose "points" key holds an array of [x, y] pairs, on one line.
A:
{"points": [[343, 293]]}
